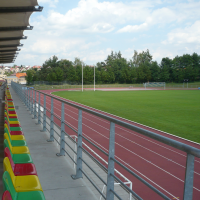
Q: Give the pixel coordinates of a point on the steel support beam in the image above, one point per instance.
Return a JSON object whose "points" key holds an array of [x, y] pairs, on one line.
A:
{"points": [[20, 9], [10, 50], [16, 28], [11, 45], [13, 38]]}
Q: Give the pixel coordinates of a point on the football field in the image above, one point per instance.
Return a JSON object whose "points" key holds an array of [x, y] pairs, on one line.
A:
{"points": [[173, 111]]}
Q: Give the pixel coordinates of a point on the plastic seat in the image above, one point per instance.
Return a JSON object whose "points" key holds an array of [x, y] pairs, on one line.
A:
{"points": [[18, 158], [16, 149], [6, 130], [12, 123], [32, 195], [22, 169], [15, 140], [15, 137], [6, 195], [16, 195], [7, 125], [22, 183], [10, 115], [11, 120]]}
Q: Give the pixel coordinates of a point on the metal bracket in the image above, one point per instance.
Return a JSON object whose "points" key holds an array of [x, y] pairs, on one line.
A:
{"points": [[58, 154], [50, 140]]}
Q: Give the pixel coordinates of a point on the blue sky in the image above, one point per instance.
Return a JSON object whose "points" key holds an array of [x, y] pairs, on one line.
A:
{"points": [[90, 29]]}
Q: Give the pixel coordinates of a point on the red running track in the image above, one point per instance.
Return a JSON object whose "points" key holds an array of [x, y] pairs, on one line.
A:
{"points": [[159, 164]]}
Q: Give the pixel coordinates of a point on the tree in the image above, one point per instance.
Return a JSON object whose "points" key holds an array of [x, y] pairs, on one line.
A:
{"points": [[155, 71], [141, 58], [88, 75], [59, 74], [78, 62], [65, 66], [29, 76], [51, 77], [165, 73]]}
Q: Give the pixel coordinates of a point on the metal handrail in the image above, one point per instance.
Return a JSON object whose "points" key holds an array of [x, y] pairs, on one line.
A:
{"points": [[191, 151]]}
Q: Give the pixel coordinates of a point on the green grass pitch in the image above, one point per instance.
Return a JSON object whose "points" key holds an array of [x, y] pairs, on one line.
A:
{"points": [[173, 111]]}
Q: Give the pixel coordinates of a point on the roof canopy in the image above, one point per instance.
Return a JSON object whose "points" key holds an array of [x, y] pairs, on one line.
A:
{"points": [[14, 19]]}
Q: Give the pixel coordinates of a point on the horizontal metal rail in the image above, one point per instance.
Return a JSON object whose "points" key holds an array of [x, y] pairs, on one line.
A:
{"points": [[178, 145]]}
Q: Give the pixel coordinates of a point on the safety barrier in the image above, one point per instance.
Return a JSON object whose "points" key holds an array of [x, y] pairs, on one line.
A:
{"points": [[32, 98], [20, 179]]}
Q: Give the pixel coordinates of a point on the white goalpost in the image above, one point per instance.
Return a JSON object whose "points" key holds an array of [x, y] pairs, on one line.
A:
{"points": [[154, 84]]}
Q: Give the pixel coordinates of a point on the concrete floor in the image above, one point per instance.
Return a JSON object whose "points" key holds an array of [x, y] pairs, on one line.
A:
{"points": [[54, 172]]}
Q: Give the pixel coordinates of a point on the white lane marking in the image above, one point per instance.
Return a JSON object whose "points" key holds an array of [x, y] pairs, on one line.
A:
{"points": [[130, 132], [133, 153], [135, 170], [132, 142], [126, 119], [143, 158], [135, 143]]}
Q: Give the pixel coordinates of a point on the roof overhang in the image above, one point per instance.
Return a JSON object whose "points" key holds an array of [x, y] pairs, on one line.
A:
{"points": [[8, 50], [14, 19]]}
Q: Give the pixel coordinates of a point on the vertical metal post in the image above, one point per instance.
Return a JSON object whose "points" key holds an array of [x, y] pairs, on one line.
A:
{"points": [[111, 163], [39, 111], [82, 78], [35, 114], [51, 124], [44, 115], [29, 99], [189, 177], [32, 103], [25, 91], [62, 132], [79, 148]]}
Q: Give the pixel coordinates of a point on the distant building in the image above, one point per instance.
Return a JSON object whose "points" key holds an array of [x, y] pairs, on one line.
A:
{"points": [[11, 78], [7, 69], [37, 67], [2, 76], [21, 78]]}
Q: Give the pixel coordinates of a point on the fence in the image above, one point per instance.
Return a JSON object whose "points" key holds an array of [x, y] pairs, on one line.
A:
{"points": [[32, 97]]}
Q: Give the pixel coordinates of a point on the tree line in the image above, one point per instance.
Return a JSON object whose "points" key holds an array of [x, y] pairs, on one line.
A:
{"points": [[116, 69]]}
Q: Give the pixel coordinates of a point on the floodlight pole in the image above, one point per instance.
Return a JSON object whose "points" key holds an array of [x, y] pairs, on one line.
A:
{"points": [[82, 78], [94, 78]]}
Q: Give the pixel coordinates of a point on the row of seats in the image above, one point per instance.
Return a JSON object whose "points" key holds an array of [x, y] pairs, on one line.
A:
{"points": [[20, 179]]}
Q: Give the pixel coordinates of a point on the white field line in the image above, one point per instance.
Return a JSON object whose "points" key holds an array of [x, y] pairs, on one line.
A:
{"points": [[135, 154]]}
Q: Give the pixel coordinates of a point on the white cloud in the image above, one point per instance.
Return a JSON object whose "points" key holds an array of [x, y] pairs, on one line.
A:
{"points": [[185, 35], [56, 46], [134, 28], [83, 31], [93, 16], [166, 15], [97, 56]]}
